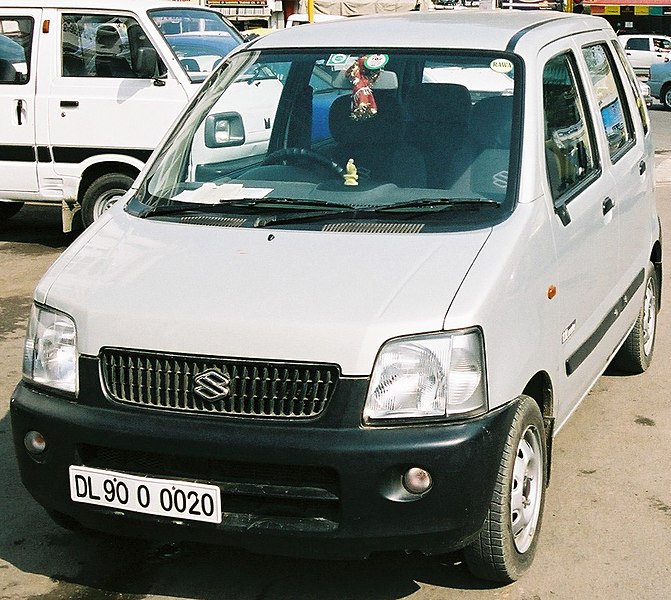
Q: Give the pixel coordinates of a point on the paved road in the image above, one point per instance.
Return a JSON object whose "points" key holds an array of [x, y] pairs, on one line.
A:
{"points": [[606, 534]]}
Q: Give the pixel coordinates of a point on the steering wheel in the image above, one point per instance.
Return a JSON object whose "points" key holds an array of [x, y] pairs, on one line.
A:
{"points": [[299, 154]]}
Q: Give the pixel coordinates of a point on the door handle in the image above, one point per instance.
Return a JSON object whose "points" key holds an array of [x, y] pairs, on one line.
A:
{"points": [[607, 205], [69, 103], [642, 167], [19, 112]]}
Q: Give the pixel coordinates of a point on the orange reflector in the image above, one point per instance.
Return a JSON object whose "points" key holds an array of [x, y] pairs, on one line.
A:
{"points": [[552, 292], [45, 26]]}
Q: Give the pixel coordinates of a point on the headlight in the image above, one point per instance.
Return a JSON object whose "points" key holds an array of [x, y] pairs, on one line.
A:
{"points": [[50, 351], [428, 376]]}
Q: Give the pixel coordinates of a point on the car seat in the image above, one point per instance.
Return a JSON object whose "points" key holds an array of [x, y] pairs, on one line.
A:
{"points": [[376, 144], [7, 71], [108, 48], [437, 120], [481, 169]]}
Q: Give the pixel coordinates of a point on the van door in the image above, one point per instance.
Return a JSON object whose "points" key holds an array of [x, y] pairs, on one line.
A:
{"points": [[18, 68], [585, 228], [99, 101]]}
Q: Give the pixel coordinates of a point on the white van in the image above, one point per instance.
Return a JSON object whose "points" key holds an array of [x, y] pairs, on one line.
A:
{"points": [[88, 89], [366, 336]]}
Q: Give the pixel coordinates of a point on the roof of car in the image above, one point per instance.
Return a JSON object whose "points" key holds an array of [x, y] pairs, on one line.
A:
{"points": [[132, 5], [493, 29]]}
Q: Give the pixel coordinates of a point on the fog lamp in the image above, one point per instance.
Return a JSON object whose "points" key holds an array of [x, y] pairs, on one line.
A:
{"points": [[34, 442], [417, 481]]}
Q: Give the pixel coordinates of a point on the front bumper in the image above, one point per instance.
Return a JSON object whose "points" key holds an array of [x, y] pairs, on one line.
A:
{"points": [[321, 487]]}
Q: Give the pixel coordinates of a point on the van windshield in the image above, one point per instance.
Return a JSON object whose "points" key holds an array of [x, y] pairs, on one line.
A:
{"points": [[200, 39], [300, 134]]}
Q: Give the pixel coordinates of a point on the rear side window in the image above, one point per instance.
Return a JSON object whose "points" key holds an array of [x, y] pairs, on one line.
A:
{"points": [[638, 44], [635, 88], [608, 91], [570, 151], [16, 40]]}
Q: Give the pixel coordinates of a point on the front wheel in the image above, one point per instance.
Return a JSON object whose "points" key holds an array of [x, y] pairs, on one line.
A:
{"points": [[103, 193], [506, 544]]}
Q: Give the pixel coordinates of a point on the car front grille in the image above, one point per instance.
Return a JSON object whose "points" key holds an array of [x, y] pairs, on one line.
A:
{"points": [[197, 384]]}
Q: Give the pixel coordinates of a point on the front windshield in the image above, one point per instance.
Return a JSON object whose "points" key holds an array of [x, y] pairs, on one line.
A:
{"points": [[200, 39], [304, 137]]}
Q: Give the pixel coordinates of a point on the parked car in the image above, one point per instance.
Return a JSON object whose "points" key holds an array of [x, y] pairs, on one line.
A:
{"points": [[366, 335], [644, 50], [660, 83], [89, 90]]}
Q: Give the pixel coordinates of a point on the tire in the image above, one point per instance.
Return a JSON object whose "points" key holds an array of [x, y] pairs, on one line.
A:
{"points": [[635, 355], [665, 97], [506, 544], [102, 193], [9, 209]]}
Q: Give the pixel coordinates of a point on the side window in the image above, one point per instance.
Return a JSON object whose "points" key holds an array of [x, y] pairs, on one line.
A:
{"points": [[661, 43], [635, 88], [569, 148], [608, 91], [638, 44], [16, 39], [100, 46]]}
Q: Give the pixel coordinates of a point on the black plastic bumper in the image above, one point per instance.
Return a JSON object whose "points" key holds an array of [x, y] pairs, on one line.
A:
{"points": [[328, 487]]}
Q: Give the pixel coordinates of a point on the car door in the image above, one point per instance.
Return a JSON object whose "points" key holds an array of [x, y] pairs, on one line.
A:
{"points": [[97, 102], [638, 50], [584, 226], [18, 69], [627, 144]]}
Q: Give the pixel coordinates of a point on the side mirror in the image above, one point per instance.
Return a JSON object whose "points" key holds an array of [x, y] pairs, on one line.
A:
{"points": [[224, 129], [146, 62]]}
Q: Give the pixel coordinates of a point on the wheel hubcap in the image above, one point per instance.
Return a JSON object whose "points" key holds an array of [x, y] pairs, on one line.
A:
{"points": [[106, 200], [527, 488], [649, 317]]}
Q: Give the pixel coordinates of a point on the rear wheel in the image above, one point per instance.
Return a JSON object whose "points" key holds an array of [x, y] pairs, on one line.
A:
{"points": [[635, 355], [506, 545], [665, 97], [103, 193], [9, 209]]}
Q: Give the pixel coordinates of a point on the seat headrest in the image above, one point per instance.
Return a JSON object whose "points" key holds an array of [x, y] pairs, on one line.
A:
{"points": [[491, 121], [439, 102], [108, 38], [384, 128]]}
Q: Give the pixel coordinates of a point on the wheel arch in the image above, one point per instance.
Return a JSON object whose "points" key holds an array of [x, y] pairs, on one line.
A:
{"points": [[96, 170], [540, 389]]}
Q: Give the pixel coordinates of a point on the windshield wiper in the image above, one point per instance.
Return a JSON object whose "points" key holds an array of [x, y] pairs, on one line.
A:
{"points": [[440, 204]]}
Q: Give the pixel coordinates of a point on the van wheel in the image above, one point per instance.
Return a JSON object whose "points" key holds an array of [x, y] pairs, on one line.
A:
{"points": [[635, 355], [506, 544], [9, 209], [102, 193]]}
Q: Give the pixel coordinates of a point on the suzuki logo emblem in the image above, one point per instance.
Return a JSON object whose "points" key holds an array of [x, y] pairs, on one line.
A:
{"points": [[212, 385]]}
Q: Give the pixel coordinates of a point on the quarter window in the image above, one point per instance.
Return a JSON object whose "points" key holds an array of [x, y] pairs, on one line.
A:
{"points": [[16, 38], [608, 91], [569, 149]]}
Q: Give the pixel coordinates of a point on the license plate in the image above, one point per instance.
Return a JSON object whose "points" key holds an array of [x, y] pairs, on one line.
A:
{"points": [[148, 495]]}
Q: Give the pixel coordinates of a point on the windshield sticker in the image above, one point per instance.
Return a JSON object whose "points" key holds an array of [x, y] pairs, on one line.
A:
{"points": [[375, 61], [501, 65], [338, 61], [212, 193]]}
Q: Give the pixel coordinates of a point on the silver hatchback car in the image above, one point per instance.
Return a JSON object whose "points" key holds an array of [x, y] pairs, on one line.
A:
{"points": [[362, 330]]}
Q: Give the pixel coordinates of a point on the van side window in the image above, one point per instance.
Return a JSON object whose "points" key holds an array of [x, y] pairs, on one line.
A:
{"points": [[16, 40], [635, 88], [570, 152], [612, 102], [100, 45]]}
